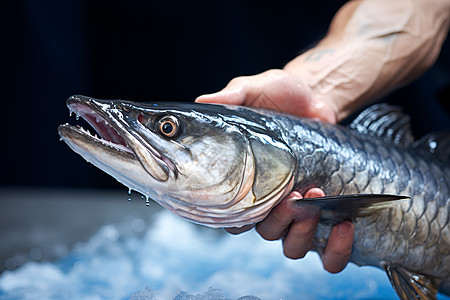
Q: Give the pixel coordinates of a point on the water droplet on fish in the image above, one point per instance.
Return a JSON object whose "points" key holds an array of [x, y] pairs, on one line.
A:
{"points": [[142, 197], [147, 201], [129, 199], [70, 113], [129, 192], [77, 117]]}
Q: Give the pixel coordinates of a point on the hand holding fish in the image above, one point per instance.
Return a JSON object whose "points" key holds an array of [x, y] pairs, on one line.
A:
{"points": [[279, 90], [273, 89], [296, 226], [353, 64]]}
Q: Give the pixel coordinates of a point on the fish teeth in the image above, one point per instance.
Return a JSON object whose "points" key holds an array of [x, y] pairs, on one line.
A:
{"points": [[84, 130]]}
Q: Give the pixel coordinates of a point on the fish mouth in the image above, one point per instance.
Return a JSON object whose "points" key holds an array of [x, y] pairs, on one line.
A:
{"points": [[115, 135]]}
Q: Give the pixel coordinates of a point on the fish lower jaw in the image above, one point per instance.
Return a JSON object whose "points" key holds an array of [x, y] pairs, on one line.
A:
{"points": [[121, 164], [68, 132]]}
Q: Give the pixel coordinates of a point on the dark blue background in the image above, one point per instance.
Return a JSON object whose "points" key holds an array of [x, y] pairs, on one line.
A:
{"points": [[149, 51]]}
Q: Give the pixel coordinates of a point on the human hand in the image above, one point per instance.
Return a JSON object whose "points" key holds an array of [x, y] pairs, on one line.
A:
{"points": [[296, 224], [273, 89], [282, 91]]}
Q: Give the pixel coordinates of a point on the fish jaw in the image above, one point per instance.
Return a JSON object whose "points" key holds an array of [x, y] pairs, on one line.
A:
{"points": [[118, 152], [114, 159]]}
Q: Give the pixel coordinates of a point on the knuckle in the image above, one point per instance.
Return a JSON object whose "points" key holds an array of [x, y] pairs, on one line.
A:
{"points": [[295, 246], [335, 260], [304, 227], [238, 80], [340, 251], [346, 252], [342, 248], [281, 215]]}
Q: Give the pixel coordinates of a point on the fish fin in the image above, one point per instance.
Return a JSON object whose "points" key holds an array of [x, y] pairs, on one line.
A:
{"points": [[437, 143], [335, 209], [411, 285], [385, 121]]}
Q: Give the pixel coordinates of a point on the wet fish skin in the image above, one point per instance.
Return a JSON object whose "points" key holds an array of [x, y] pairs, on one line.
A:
{"points": [[409, 236], [414, 234], [222, 170]]}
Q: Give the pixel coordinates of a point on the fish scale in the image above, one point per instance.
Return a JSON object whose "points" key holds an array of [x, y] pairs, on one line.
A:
{"points": [[361, 164]]}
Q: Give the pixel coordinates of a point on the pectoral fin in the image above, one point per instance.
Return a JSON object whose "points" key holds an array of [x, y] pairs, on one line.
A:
{"points": [[335, 209], [409, 285]]}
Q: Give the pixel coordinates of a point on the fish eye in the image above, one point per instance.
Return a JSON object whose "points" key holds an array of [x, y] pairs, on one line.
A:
{"points": [[168, 126]]}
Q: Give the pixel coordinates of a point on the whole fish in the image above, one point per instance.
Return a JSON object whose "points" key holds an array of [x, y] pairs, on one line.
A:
{"points": [[225, 166]]}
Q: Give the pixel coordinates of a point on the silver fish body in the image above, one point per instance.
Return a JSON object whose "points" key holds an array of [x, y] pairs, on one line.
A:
{"points": [[228, 166], [414, 234]]}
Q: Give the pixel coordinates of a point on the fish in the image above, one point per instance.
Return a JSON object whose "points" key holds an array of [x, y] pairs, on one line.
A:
{"points": [[228, 166]]}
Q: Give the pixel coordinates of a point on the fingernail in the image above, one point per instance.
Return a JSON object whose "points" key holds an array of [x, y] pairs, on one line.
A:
{"points": [[344, 229], [295, 198]]}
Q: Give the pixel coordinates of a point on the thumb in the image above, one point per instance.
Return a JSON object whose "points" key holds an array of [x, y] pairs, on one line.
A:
{"points": [[235, 93], [224, 96]]}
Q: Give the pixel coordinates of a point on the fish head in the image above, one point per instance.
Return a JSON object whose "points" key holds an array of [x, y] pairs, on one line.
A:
{"points": [[201, 164]]}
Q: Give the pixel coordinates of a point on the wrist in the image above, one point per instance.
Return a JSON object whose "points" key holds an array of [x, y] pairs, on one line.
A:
{"points": [[321, 107]]}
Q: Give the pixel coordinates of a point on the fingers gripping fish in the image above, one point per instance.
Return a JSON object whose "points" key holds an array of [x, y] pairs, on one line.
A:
{"points": [[227, 166]]}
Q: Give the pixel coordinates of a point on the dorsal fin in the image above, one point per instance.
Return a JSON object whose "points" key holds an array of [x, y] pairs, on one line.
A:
{"points": [[385, 121], [409, 285], [437, 143]]}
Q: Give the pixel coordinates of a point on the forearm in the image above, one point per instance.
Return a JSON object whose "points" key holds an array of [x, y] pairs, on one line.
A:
{"points": [[373, 46]]}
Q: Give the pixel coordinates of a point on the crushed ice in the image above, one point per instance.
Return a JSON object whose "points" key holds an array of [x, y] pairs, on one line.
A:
{"points": [[174, 259]]}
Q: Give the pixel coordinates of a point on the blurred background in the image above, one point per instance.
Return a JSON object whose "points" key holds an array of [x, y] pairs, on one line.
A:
{"points": [[143, 51]]}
